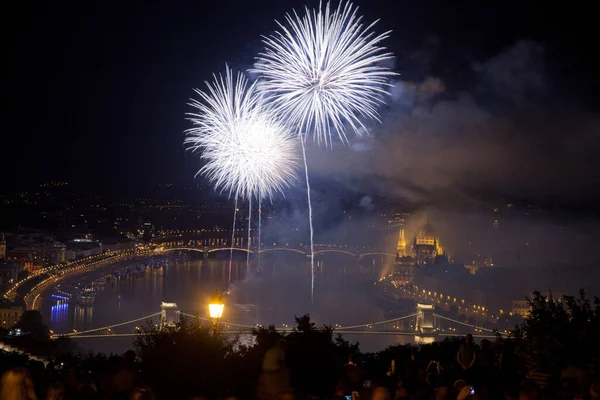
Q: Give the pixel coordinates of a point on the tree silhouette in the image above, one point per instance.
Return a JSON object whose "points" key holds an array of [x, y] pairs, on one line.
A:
{"points": [[32, 324], [560, 332], [315, 358], [186, 359]]}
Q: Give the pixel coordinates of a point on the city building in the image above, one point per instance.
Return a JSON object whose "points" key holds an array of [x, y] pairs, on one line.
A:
{"points": [[10, 314], [521, 307], [80, 249], [401, 246], [404, 266], [40, 254], [475, 265], [404, 271], [9, 273], [115, 244], [24, 258], [79, 235], [33, 249], [2, 247], [31, 237], [427, 245], [60, 253], [147, 230], [450, 279]]}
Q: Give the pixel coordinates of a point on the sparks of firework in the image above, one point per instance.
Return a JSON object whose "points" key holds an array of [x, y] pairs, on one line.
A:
{"points": [[324, 70], [247, 151]]}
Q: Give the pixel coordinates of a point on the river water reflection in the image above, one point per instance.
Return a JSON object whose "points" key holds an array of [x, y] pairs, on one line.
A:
{"points": [[273, 294]]}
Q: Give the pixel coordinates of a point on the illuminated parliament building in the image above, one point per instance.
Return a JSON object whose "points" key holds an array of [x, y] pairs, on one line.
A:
{"points": [[426, 250]]}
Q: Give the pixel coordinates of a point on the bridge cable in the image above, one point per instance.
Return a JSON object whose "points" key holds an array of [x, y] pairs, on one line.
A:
{"points": [[109, 326], [377, 323], [111, 335], [463, 323]]}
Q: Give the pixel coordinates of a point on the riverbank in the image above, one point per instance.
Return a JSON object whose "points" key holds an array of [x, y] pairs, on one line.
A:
{"points": [[34, 296], [31, 287]]}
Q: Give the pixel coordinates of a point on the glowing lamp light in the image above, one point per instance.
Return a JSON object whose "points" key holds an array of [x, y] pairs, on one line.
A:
{"points": [[215, 307]]}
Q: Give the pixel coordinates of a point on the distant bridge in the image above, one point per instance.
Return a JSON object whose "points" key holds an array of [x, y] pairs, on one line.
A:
{"points": [[206, 250], [425, 325]]}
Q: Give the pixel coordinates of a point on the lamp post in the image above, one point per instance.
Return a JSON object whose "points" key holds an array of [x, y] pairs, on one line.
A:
{"points": [[215, 309]]}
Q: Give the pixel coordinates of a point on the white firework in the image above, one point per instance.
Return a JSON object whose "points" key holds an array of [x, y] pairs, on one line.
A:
{"points": [[248, 151], [324, 70]]}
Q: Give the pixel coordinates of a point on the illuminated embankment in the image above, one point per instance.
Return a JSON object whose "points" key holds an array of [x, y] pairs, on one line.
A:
{"points": [[389, 288], [53, 274]]}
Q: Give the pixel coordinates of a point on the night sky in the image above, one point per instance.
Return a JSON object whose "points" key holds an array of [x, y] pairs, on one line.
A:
{"points": [[96, 92]]}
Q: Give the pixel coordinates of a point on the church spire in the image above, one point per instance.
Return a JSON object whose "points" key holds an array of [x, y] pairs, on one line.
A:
{"points": [[401, 250]]}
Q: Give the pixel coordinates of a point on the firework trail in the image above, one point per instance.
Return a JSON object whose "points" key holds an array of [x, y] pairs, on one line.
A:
{"points": [[322, 72], [249, 230], [246, 148], [259, 220], [232, 238], [310, 224]]}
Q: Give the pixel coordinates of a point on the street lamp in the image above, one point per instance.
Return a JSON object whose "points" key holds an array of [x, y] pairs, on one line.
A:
{"points": [[215, 308]]}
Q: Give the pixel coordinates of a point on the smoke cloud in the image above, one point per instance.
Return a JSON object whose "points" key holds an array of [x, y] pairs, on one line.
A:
{"points": [[510, 135]]}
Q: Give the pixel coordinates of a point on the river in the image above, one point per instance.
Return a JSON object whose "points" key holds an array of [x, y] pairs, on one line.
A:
{"points": [[271, 294]]}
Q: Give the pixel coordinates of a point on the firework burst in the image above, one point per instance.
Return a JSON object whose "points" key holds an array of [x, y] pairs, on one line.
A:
{"points": [[323, 71], [247, 151]]}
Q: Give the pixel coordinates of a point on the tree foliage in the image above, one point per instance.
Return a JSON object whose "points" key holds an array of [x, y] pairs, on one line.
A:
{"points": [[315, 357], [188, 358], [560, 332], [32, 323]]}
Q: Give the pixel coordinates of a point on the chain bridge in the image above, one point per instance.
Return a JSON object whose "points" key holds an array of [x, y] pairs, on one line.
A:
{"points": [[424, 324]]}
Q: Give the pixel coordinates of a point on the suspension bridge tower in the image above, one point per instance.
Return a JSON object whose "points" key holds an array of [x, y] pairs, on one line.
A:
{"points": [[169, 313], [425, 327]]}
